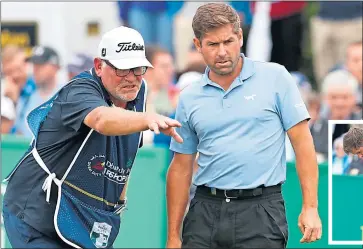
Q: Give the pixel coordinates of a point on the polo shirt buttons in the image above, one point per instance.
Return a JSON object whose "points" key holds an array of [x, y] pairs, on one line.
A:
{"points": [[226, 102]]}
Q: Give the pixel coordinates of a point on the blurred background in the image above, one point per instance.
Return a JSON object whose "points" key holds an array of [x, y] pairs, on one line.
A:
{"points": [[44, 44], [320, 43]]}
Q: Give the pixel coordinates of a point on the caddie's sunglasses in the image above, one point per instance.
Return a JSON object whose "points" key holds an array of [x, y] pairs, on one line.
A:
{"points": [[137, 71]]}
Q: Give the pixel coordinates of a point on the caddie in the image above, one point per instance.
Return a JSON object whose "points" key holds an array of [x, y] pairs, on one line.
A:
{"points": [[69, 187]]}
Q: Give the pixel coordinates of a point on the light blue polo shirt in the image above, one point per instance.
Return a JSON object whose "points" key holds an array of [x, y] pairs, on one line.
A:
{"points": [[240, 133]]}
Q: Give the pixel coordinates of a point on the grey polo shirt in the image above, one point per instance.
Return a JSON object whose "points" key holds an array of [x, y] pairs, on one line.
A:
{"points": [[240, 133]]}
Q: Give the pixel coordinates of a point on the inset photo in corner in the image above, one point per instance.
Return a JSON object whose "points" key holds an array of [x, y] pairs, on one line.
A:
{"points": [[345, 224]]}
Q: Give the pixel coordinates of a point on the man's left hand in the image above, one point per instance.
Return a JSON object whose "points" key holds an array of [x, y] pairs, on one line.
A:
{"points": [[310, 225]]}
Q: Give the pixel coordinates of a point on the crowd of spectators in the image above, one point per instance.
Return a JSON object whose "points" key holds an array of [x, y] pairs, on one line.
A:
{"points": [[275, 31]]}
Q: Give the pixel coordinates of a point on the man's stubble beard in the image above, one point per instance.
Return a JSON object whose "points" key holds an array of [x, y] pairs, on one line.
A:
{"points": [[221, 73]]}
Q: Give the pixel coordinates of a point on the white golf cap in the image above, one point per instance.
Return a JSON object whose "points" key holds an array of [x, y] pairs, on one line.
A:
{"points": [[124, 48]]}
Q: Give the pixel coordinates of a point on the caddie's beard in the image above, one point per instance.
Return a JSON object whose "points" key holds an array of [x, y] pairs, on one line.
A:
{"points": [[126, 93], [124, 98]]}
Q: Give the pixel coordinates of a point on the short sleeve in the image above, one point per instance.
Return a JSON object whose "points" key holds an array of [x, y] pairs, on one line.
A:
{"points": [[82, 97], [189, 146], [290, 104]]}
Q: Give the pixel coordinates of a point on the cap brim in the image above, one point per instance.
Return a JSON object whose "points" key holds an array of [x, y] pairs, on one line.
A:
{"points": [[36, 60], [131, 63]]}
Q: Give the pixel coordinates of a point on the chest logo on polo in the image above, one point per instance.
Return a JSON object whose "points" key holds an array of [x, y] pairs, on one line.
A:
{"points": [[100, 234], [252, 97], [99, 166]]}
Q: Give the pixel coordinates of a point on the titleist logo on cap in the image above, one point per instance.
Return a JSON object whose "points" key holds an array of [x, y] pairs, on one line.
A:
{"points": [[127, 46]]}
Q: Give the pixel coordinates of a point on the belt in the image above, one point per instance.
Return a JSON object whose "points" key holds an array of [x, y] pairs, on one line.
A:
{"points": [[238, 193]]}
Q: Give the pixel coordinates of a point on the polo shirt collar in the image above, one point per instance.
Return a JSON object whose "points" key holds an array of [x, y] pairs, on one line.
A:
{"points": [[248, 69]]}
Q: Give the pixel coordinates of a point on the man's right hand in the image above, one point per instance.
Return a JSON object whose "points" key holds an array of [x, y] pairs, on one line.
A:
{"points": [[173, 243], [157, 123]]}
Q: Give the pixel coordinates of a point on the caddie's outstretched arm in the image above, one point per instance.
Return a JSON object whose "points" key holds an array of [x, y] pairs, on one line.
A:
{"points": [[112, 121]]}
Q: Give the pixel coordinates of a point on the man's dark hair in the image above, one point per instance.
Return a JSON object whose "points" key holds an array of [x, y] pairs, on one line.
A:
{"points": [[353, 140], [214, 15]]}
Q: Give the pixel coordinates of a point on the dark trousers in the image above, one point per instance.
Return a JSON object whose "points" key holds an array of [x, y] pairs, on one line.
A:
{"points": [[250, 222], [287, 35], [22, 235]]}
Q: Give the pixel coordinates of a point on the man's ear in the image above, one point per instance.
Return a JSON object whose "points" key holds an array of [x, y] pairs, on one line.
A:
{"points": [[240, 36], [98, 66], [197, 44]]}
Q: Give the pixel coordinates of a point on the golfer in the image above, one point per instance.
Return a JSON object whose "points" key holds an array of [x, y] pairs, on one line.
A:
{"points": [[69, 188], [353, 142], [237, 117]]}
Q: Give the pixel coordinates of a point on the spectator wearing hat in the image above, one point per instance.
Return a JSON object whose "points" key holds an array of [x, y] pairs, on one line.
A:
{"points": [[46, 64], [79, 62]]}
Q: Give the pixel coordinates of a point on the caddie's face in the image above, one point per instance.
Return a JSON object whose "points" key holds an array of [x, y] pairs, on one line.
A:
{"points": [[358, 152], [220, 49], [124, 88]]}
